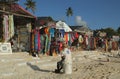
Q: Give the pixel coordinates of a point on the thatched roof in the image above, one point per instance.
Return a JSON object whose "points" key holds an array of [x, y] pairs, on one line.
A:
{"points": [[44, 20], [15, 9], [80, 28]]}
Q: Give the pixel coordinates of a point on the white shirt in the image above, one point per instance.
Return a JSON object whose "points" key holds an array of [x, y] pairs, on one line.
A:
{"points": [[67, 53]]}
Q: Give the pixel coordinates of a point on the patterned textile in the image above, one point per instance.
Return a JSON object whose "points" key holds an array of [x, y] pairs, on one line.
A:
{"points": [[11, 26], [5, 28]]}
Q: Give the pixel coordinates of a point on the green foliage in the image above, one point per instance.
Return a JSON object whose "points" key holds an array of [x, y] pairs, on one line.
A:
{"points": [[30, 4], [110, 31], [69, 12], [118, 31]]}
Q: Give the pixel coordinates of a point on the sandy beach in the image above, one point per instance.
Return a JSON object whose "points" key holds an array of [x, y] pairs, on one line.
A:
{"points": [[86, 65]]}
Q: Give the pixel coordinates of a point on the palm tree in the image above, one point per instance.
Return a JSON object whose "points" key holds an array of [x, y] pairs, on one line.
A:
{"points": [[69, 12], [30, 4]]}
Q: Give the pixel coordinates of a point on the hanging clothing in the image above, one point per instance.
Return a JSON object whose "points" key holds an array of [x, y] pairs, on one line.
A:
{"points": [[32, 41], [11, 26], [46, 30], [42, 30], [39, 42], [80, 38], [42, 39], [52, 31], [36, 40], [86, 40], [62, 31], [70, 39], [5, 28], [46, 43], [66, 37], [76, 35]]}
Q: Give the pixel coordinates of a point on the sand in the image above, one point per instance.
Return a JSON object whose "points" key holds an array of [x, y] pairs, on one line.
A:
{"points": [[86, 65]]}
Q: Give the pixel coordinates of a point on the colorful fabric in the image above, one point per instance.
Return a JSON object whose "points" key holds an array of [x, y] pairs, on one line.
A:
{"points": [[66, 37], [80, 38], [39, 46], [52, 32], [47, 30], [46, 43], [11, 26], [32, 41], [42, 39], [76, 35], [36, 40], [5, 28], [62, 31]]}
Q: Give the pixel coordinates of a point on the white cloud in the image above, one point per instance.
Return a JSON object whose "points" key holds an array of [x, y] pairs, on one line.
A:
{"points": [[80, 22]]}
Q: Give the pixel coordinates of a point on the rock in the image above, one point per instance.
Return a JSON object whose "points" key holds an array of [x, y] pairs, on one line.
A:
{"points": [[75, 69]]}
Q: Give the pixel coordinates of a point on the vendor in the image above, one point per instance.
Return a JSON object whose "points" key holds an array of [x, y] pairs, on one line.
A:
{"points": [[67, 67]]}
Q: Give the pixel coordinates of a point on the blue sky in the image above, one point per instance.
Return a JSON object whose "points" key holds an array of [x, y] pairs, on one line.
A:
{"points": [[96, 13]]}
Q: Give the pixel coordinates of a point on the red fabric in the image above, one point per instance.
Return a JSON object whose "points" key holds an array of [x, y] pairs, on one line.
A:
{"points": [[76, 35], [60, 47]]}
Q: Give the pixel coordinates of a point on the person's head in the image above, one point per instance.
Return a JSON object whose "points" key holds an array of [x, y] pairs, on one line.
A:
{"points": [[64, 45]]}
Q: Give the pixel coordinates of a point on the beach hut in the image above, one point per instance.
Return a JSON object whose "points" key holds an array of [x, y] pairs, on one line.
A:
{"points": [[16, 24]]}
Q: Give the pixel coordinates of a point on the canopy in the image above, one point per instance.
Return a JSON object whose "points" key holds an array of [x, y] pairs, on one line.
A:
{"points": [[63, 25]]}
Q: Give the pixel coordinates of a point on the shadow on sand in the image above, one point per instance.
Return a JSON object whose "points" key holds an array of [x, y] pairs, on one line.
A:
{"points": [[36, 68]]}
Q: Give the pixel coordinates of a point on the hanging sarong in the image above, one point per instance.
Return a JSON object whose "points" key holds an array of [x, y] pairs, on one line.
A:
{"points": [[38, 41], [52, 32], [32, 41], [5, 28], [46, 43], [11, 26]]}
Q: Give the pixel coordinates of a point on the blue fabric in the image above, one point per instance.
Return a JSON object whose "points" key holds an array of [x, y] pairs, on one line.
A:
{"points": [[62, 31], [52, 32], [36, 41]]}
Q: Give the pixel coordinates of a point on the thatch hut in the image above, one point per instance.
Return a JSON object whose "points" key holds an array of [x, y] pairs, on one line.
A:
{"points": [[16, 24]]}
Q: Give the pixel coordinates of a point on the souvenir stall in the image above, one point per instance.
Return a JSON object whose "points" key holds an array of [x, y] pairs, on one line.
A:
{"points": [[51, 38], [16, 24], [84, 39], [42, 36], [48, 39]]}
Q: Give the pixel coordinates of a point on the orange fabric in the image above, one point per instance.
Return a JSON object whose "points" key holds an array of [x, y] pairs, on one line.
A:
{"points": [[66, 37], [47, 30]]}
